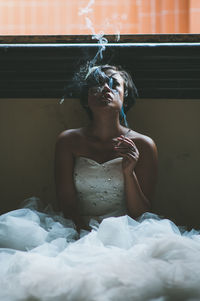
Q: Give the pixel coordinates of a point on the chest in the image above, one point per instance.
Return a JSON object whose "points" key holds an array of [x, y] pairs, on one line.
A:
{"points": [[100, 187], [98, 151]]}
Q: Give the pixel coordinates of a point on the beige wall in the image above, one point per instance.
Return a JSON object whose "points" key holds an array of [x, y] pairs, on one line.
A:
{"points": [[29, 127]]}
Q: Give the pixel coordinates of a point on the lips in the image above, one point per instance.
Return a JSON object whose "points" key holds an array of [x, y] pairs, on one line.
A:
{"points": [[107, 96]]}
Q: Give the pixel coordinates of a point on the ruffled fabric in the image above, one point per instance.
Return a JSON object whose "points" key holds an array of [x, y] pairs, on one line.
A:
{"points": [[121, 259]]}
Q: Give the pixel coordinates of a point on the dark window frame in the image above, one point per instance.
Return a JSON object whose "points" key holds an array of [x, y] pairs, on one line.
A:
{"points": [[163, 65]]}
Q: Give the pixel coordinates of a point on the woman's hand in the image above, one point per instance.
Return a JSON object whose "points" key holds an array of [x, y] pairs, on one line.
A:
{"points": [[128, 150]]}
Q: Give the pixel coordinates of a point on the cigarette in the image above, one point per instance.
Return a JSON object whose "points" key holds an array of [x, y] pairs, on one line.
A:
{"points": [[120, 142]]}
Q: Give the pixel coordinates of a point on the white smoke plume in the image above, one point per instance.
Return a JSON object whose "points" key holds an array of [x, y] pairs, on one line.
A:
{"points": [[95, 36], [62, 100], [102, 41], [87, 9]]}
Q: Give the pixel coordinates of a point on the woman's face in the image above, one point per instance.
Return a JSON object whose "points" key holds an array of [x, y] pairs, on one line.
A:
{"points": [[109, 94]]}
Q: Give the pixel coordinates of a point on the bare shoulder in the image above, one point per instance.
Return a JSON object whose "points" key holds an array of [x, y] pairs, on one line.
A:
{"points": [[70, 134], [143, 142], [69, 139]]}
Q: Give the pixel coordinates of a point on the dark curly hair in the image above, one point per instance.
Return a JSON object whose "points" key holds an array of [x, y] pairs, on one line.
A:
{"points": [[96, 76]]}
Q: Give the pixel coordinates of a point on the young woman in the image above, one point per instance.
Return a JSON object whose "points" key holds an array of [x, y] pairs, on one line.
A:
{"points": [[128, 157], [102, 170]]}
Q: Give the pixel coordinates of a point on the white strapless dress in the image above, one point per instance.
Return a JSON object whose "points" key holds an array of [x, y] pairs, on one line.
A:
{"points": [[121, 259], [100, 188]]}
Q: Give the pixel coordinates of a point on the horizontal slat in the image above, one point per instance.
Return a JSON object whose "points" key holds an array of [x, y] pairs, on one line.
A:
{"points": [[129, 38], [144, 82], [47, 70], [145, 93]]}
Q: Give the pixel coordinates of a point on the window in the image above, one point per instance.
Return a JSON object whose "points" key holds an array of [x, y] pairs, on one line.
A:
{"points": [[46, 63], [67, 17]]}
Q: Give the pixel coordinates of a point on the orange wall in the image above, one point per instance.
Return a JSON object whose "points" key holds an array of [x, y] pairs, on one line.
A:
{"points": [[38, 17], [194, 13]]}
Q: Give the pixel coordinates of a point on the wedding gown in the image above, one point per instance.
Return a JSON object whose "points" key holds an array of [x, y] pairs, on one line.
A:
{"points": [[121, 259]]}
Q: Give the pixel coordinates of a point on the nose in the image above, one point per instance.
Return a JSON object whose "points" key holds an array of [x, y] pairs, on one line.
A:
{"points": [[106, 87]]}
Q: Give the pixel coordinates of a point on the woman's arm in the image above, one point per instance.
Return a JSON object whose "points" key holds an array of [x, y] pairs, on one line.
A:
{"points": [[64, 179], [140, 173]]}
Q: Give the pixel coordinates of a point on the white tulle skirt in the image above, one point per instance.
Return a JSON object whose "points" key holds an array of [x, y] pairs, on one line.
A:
{"points": [[43, 258]]}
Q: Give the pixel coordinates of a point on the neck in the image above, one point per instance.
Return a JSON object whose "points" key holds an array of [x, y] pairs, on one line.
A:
{"points": [[105, 127]]}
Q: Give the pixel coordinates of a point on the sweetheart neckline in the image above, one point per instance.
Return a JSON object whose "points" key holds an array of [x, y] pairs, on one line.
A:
{"points": [[106, 162]]}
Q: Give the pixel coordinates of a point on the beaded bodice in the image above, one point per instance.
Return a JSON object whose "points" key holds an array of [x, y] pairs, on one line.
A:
{"points": [[100, 187]]}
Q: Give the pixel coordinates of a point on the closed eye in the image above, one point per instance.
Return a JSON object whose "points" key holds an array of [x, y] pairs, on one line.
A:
{"points": [[115, 83]]}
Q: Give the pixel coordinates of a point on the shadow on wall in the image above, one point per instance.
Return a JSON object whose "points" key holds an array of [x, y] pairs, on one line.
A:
{"points": [[28, 132]]}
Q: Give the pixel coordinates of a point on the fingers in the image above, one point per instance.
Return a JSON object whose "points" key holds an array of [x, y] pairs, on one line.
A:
{"points": [[126, 145], [127, 149], [124, 139], [129, 156]]}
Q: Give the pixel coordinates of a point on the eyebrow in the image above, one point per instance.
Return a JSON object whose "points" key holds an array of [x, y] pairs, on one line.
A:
{"points": [[112, 76], [116, 79]]}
